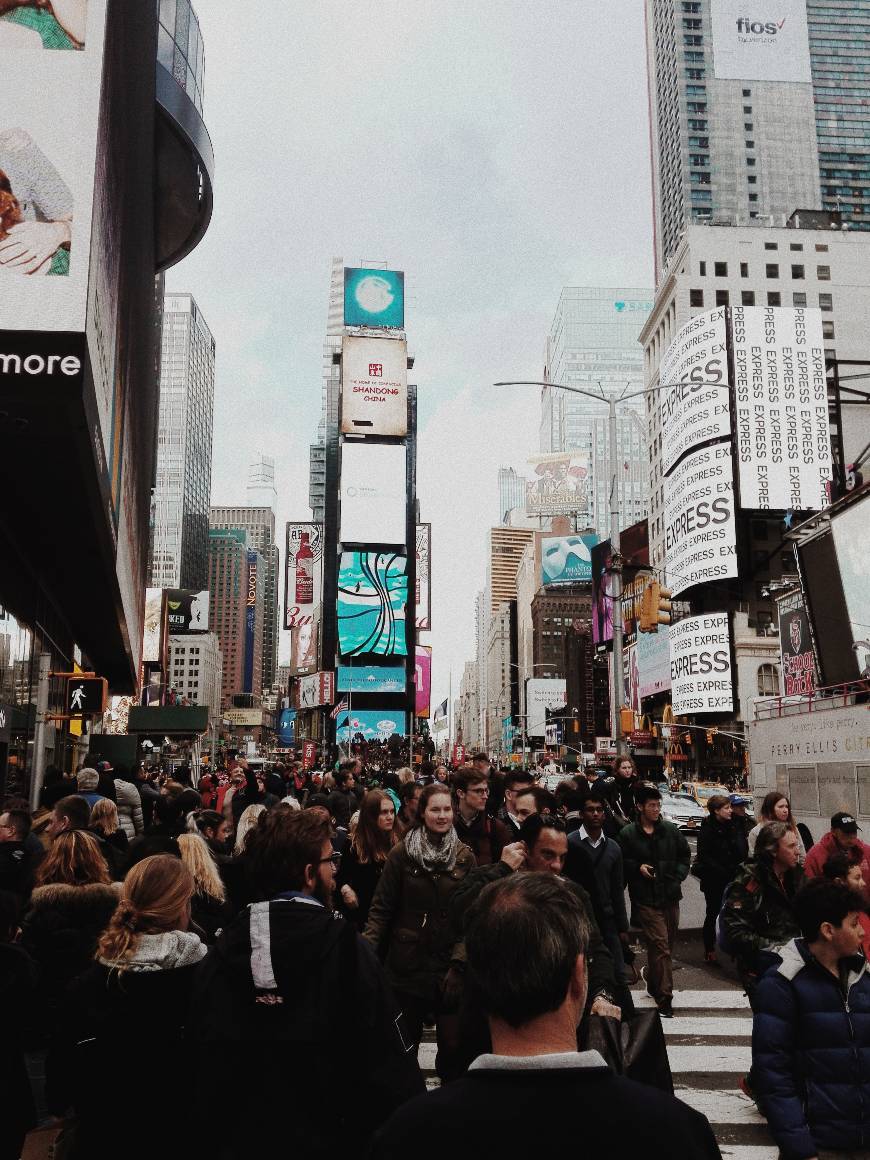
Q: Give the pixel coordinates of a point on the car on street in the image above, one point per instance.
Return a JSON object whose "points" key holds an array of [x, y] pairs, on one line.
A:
{"points": [[682, 810], [702, 791]]}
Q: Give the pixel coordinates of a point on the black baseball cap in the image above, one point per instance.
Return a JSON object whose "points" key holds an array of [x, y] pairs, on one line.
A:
{"points": [[845, 822]]}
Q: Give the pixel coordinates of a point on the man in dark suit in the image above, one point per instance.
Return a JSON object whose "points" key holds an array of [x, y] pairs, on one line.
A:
{"points": [[526, 943]]}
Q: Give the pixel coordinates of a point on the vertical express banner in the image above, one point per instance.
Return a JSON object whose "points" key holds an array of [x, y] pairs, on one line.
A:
{"points": [[701, 678], [694, 404], [250, 623], [700, 528]]}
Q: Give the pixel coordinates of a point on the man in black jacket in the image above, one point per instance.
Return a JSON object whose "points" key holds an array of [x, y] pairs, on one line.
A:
{"points": [[595, 863], [290, 992], [527, 940]]}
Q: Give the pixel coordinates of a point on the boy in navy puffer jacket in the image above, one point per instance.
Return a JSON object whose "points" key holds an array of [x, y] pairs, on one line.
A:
{"points": [[811, 1032]]}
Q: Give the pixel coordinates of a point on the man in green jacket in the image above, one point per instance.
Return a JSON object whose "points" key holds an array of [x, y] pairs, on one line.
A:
{"points": [[656, 859]]}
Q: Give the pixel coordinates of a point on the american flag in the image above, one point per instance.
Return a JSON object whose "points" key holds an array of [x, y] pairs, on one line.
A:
{"points": [[341, 707]]}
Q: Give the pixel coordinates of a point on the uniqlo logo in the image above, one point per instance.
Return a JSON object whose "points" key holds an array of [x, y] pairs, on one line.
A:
{"points": [[376, 370]]}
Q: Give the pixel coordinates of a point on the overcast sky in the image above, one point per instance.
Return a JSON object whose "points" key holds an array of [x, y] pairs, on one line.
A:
{"points": [[495, 152]]}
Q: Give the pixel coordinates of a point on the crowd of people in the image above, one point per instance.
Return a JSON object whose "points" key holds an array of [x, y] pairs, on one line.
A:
{"points": [[201, 969]]}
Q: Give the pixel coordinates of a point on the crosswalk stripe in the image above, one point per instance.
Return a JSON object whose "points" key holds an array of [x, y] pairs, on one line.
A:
{"points": [[701, 1026], [700, 1000], [710, 1057], [721, 1107], [749, 1151]]}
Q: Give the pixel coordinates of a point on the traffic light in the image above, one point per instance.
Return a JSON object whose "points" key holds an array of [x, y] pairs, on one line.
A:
{"points": [[86, 696], [655, 607]]}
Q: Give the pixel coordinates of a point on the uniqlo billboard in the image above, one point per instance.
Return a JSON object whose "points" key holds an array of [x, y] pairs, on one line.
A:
{"points": [[374, 386]]}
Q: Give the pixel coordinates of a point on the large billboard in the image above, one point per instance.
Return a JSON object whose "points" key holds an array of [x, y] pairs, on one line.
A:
{"points": [[304, 651], [315, 690], [371, 679], [542, 693], [757, 41], [153, 628], [423, 599], [370, 724], [795, 646], [567, 559], [781, 408], [374, 491], [374, 386], [653, 660], [701, 679], [372, 601], [694, 399], [374, 297], [250, 621], [852, 541], [423, 680], [186, 611], [50, 84], [822, 586], [559, 486], [700, 529], [286, 727], [303, 582]]}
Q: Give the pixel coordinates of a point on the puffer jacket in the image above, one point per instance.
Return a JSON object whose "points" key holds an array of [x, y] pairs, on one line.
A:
{"points": [[409, 923], [667, 850], [811, 1053], [129, 808], [758, 914]]}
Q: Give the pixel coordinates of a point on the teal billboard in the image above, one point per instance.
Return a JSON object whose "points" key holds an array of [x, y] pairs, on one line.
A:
{"points": [[374, 297], [567, 559]]}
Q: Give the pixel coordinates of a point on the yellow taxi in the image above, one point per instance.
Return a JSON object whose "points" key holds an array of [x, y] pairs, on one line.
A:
{"points": [[702, 791]]}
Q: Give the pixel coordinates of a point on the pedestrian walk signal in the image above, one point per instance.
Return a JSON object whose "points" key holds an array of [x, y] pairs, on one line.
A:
{"points": [[655, 607], [86, 696]]}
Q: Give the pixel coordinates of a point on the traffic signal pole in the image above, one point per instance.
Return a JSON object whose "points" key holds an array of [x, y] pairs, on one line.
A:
{"points": [[618, 677]]}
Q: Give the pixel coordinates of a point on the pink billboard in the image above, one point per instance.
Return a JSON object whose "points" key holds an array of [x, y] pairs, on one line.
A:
{"points": [[423, 679]]}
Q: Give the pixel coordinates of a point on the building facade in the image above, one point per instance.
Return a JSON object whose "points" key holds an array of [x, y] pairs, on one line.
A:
{"points": [[511, 493], [505, 549], [259, 524], [330, 391], [233, 591], [182, 492], [593, 344], [196, 670]]}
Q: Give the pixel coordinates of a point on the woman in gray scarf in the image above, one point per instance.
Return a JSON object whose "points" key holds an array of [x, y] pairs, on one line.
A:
{"points": [[408, 922]]}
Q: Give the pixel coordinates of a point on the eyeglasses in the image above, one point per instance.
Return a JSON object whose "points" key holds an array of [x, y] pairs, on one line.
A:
{"points": [[335, 859]]}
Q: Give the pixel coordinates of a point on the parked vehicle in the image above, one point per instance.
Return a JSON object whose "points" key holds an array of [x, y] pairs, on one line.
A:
{"points": [[682, 810]]}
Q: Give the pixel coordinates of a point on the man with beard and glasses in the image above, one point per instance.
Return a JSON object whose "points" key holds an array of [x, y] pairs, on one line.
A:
{"points": [[291, 990]]}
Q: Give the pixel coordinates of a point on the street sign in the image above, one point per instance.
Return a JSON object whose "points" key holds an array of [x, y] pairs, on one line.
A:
{"points": [[86, 696]]}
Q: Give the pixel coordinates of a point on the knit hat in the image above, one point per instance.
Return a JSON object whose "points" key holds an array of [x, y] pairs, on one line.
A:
{"points": [[87, 780]]}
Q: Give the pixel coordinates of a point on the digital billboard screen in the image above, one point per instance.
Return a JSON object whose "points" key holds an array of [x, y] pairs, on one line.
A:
{"points": [[851, 530], [303, 581], [370, 724], [371, 679], [374, 489], [374, 386], [374, 298], [186, 611], [372, 600]]}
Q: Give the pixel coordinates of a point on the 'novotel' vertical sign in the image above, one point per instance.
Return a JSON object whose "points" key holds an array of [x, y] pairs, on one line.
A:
{"points": [[250, 623]]}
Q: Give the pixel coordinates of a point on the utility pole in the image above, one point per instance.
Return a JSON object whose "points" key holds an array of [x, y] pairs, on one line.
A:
{"points": [[618, 684], [38, 775]]}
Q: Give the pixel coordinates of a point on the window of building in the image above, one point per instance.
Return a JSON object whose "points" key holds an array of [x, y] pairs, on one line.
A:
{"points": [[797, 272], [798, 299], [744, 269], [826, 302], [771, 270], [796, 246], [721, 297], [750, 144], [823, 273], [753, 197], [747, 92], [821, 247], [747, 297], [747, 126], [774, 298], [702, 269], [750, 161], [747, 108], [771, 245], [720, 269], [827, 328], [752, 179], [768, 681]]}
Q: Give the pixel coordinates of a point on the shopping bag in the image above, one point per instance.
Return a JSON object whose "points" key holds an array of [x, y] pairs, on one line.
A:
{"points": [[634, 1047]]}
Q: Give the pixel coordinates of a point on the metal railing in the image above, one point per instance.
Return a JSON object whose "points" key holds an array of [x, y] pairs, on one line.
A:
{"points": [[819, 701]]}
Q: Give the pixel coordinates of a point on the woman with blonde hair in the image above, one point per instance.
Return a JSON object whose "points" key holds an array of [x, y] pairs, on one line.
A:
{"points": [[249, 818], [70, 907], [106, 828], [123, 1020], [209, 910]]}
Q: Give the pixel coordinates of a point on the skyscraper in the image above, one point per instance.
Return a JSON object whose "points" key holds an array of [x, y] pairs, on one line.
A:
{"points": [[236, 582], [752, 119], [261, 483], [511, 492], [593, 344], [331, 386], [179, 506]]}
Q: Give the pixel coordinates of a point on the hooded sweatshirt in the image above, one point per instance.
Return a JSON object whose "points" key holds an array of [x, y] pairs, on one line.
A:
{"points": [[292, 986]]}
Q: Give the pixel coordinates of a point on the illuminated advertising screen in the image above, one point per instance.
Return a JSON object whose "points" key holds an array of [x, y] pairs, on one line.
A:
{"points": [[374, 491], [423, 680], [423, 601], [760, 42], [374, 386], [371, 679], [374, 297], [701, 680], [303, 582], [286, 732], [602, 599], [567, 559], [700, 528], [304, 647], [781, 408], [372, 598], [186, 611], [370, 724]]}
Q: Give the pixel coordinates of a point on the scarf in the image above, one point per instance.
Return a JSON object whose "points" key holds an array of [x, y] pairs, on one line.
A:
{"points": [[162, 952], [426, 854]]}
